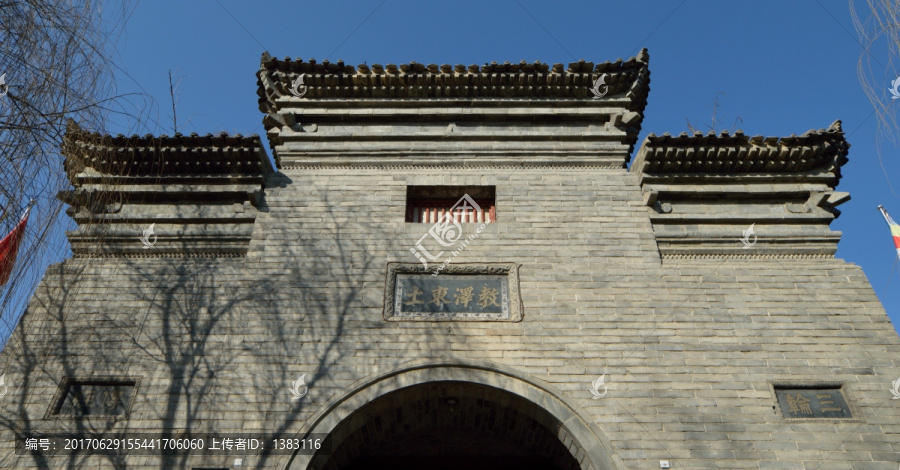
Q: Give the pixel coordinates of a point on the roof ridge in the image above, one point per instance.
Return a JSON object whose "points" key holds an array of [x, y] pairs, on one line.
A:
{"points": [[267, 62], [77, 133], [726, 138], [703, 154], [177, 155], [280, 78]]}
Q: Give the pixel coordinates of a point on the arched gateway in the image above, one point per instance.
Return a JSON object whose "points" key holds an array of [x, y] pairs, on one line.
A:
{"points": [[455, 415]]}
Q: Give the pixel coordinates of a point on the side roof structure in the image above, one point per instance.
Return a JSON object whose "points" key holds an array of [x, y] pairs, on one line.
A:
{"points": [[704, 191], [199, 192]]}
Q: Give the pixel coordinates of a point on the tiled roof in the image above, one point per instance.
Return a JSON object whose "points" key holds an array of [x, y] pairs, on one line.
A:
{"points": [[177, 155], [324, 80], [823, 149]]}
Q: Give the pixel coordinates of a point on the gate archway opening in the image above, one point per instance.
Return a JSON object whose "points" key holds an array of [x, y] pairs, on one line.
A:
{"points": [[450, 425]]}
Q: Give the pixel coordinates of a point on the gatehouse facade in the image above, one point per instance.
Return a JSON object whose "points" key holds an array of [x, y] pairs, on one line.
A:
{"points": [[454, 266]]}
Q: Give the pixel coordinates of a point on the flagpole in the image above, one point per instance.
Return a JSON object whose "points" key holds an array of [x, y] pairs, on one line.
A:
{"points": [[27, 210], [884, 214]]}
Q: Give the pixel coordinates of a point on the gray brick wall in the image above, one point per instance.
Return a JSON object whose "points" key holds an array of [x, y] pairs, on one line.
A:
{"points": [[688, 346]]}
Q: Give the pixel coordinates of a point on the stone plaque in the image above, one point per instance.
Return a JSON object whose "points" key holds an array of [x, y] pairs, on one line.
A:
{"points": [[812, 402], [462, 292], [96, 399], [104, 397]]}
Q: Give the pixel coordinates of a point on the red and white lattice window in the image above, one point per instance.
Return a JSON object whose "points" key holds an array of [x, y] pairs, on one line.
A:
{"points": [[466, 204]]}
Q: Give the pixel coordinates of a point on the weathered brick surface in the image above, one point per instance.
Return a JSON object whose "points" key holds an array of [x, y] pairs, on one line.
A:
{"points": [[688, 346]]}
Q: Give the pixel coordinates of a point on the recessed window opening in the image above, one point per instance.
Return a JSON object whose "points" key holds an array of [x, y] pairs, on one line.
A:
{"points": [[466, 204]]}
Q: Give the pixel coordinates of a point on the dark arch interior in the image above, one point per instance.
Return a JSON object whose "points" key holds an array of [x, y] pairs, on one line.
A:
{"points": [[450, 425]]}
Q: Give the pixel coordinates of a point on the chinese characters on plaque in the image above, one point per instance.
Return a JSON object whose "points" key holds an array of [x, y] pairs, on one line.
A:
{"points": [[475, 292], [812, 403], [460, 296]]}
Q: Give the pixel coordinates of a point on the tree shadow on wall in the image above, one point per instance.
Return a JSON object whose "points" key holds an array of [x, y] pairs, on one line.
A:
{"points": [[215, 342]]}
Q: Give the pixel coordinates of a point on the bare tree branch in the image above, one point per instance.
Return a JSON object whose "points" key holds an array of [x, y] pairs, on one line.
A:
{"points": [[55, 57], [172, 95], [713, 127], [879, 32]]}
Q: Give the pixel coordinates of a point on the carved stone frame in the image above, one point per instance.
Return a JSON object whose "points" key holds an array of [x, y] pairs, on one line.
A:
{"points": [[511, 270], [840, 384], [63, 389]]}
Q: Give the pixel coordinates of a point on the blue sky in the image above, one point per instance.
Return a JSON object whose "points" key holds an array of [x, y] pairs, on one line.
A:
{"points": [[783, 68]]}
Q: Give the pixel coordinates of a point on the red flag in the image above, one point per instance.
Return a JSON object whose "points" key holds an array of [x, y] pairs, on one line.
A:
{"points": [[9, 247], [895, 229]]}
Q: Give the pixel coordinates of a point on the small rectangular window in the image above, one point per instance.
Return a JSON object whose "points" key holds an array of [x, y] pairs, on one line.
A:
{"points": [[466, 204], [95, 398]]}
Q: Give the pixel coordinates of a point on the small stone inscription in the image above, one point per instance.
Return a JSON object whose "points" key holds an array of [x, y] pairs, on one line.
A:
{"points": [[812, 403], [458, 296]]}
